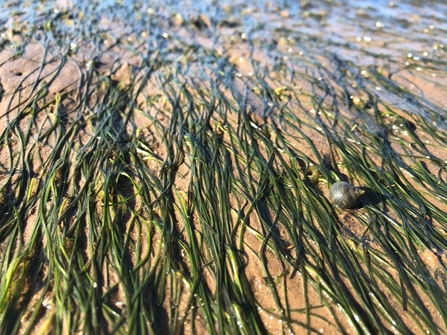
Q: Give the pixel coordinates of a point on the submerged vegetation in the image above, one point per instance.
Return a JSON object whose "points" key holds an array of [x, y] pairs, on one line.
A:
{"points": [[166, 169]]}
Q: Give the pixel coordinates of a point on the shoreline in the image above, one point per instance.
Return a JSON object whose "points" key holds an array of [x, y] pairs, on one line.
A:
{"points": [[176, 179]]}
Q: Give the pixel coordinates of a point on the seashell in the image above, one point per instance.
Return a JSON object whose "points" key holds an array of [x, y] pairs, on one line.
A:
{"points": [[345, 196]]}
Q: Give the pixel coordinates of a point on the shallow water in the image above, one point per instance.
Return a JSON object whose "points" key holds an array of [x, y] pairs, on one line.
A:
{"points": [[404, 26], [363, 35]]}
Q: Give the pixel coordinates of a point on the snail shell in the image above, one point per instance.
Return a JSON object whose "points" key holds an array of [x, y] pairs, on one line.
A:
{"points": [[345, 196]]}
